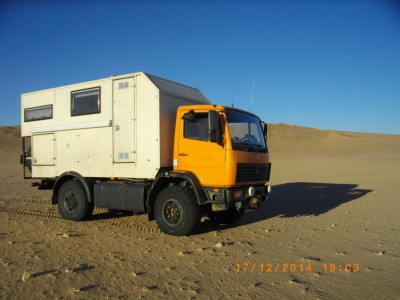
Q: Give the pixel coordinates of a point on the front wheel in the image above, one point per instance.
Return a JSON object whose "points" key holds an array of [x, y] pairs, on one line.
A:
{"points": [[72, 200], [176, 211]]}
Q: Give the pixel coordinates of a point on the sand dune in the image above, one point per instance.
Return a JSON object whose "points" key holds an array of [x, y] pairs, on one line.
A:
{"points": [[330, 230], [10, 131], [296, 140]]}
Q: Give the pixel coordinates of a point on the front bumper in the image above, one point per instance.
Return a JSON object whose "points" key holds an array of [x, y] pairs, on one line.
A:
{"points": [[249, 195]]}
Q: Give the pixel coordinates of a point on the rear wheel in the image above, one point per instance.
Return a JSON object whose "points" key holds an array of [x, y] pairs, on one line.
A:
{"points": [[176, 211], [230, 216], [72, 200]]}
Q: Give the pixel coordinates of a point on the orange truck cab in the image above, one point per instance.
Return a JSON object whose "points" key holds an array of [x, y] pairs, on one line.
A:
{"points": [[222, 151]]}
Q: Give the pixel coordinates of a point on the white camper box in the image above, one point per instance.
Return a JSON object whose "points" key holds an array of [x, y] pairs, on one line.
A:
{"points": [[119, 127]]}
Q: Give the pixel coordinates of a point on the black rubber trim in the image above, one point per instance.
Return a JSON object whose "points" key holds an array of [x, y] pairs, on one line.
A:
{"points": [[68, 176], [169, 176]]}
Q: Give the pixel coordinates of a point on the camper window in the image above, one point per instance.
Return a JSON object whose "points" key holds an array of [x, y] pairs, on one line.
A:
{"points": [[38, 113], [85, 102]]}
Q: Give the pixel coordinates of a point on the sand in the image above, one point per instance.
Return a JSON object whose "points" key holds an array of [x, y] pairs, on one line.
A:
{"points": [[330, 230]]}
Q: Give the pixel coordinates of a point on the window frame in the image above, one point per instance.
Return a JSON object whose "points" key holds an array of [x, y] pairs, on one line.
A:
{"points": [[192, 138], [26, 110], [241, 118], [73, 93]]}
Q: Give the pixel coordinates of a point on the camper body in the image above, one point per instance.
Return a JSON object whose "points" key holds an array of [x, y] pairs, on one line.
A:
{"points": [[142, 143]]}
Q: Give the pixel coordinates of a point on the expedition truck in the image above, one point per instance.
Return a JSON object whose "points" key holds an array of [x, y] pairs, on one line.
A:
{"points": [[141, 143]]}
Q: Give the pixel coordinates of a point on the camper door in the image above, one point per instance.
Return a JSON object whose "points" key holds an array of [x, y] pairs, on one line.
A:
{"points": [[124, 120]]}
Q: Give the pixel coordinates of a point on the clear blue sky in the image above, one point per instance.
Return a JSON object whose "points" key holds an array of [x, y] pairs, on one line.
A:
{"points": [[323, 64]]}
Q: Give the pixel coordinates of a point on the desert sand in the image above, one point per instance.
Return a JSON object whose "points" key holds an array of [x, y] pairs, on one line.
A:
{"points": [[330, 230]]}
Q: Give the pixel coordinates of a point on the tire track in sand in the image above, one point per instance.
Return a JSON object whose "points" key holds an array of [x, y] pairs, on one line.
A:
{"points": [[50, 215]]}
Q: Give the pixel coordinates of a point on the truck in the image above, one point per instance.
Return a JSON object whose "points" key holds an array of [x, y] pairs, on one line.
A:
{"points": [[141, 143]]}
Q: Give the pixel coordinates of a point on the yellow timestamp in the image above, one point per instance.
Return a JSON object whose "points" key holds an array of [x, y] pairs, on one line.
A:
{"points": [[273, 268], [341, 267], [293, 267]]}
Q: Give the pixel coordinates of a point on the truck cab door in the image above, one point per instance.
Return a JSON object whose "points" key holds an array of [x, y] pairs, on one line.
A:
{"points": [[196, 153]]}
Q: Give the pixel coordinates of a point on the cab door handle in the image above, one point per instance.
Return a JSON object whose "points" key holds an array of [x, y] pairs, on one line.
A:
{"points": [[183, 154]]}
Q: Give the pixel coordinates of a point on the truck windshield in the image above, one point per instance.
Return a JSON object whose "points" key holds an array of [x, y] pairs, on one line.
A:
{"points": [[245, 130]]}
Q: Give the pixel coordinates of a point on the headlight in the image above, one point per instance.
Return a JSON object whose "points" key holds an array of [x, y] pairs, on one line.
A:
{"points": [[251, 191]]}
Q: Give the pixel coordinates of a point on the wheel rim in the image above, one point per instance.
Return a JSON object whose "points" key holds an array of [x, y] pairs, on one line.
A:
{"points": [[172, 212], [70, 202]]}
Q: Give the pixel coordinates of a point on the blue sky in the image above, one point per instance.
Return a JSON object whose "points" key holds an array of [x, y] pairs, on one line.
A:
{"points": [[323, 64]]}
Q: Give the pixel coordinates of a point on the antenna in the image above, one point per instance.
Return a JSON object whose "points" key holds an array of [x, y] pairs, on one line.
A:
{"points": [[233, 98], [252, 91]]}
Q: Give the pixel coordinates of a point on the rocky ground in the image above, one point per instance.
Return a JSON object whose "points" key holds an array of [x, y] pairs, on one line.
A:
{"points": [[330, 230]]}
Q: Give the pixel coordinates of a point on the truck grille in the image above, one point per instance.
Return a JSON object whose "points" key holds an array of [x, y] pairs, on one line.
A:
{"points": [[252, 172]]}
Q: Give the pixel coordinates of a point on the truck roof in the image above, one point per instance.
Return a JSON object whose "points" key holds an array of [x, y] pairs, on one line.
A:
{"points": [[165, 86], [169, 87], [218, 107]]}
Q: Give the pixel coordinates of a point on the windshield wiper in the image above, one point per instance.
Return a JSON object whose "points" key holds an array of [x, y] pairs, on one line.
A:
{"points": [[251, 147], [260, 147], [247, 146]]}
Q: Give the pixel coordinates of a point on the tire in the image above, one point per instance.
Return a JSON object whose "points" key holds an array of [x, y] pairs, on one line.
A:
{"points": [[72, 201], [230, 216], [176, 211]]}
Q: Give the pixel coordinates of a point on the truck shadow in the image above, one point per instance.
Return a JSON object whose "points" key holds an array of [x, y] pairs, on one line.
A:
{"points": [[112, 214], [300, 199]]}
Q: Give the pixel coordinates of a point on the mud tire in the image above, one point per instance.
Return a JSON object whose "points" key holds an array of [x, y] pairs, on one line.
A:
{"points": [[176, 211], [72, 200]]}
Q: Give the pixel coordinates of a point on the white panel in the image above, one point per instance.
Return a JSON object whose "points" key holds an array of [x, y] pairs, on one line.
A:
{"points": [[148, 129], [86, 151], [43, 150], [124, 120], [85, 125]]}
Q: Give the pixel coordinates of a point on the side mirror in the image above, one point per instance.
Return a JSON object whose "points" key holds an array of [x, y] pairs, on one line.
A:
{"points": [[264, 127], [214, 127]]}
